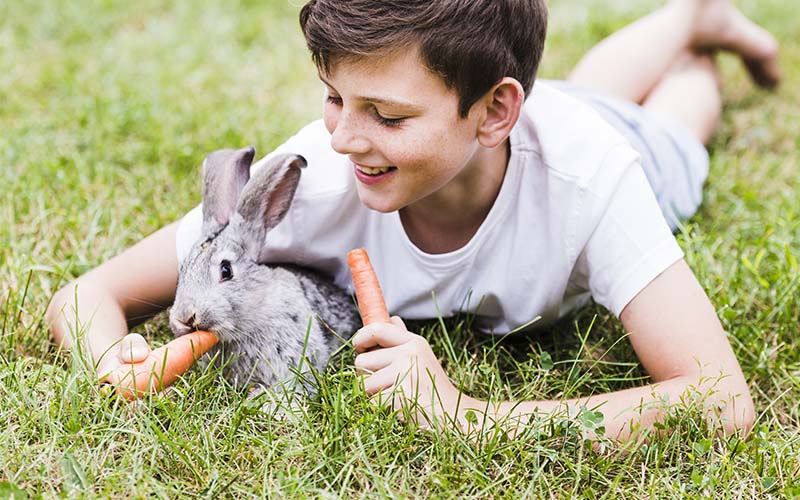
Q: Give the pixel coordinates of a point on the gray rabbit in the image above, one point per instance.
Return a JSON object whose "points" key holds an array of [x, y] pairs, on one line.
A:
{"points": [[260, 312]]}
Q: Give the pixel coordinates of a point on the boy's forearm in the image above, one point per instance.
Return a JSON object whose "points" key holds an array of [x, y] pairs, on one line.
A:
{"points": [[81, 311], [627, 412], [102, 304]]}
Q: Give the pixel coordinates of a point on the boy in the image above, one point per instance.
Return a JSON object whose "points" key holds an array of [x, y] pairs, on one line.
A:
{"points": [[430, 156]]}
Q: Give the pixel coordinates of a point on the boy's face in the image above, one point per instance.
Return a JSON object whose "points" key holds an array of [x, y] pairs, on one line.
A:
{"points": [[399, 125]]}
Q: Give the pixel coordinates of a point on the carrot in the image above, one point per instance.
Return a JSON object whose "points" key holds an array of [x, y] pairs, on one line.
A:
{"points": [[162, 367], [368, 290]]}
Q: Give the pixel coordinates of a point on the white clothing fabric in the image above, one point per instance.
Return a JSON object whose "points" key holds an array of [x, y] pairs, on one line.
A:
{"points": [[574, 217], [673, 159]]}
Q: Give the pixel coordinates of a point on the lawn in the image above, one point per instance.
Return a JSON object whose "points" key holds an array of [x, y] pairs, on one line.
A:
{"points": [[106, 111]]}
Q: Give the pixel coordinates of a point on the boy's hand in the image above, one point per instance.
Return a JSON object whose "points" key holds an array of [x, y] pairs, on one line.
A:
{"points": [[400, 369], [131, 349]]}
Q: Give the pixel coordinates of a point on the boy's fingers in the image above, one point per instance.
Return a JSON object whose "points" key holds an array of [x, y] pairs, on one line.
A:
{"points": [[379, 335], [398, 321], [133, 348], [372, 361], [382, 379], [108, 377]]}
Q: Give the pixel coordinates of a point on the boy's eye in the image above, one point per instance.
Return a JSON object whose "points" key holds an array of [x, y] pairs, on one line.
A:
{"points": [[388, 122], [225, 271]]}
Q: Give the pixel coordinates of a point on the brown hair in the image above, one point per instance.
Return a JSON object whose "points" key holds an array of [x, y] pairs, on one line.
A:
{"points": [[471, 44]]}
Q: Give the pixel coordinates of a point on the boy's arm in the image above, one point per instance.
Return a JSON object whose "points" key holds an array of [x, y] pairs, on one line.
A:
{"points": [[119, 293], [680, 342], [673, 328]]}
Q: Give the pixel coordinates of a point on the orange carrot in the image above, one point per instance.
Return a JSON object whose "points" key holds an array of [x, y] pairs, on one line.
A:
{"points": [[368, 290], [162, 367]]}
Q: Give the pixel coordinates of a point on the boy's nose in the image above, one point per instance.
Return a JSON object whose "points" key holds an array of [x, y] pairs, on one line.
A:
{"points": [[347, 138]]}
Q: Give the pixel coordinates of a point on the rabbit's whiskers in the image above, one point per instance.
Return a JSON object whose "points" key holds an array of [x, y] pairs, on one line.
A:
{"points": [[139, 317], [156, 305]]}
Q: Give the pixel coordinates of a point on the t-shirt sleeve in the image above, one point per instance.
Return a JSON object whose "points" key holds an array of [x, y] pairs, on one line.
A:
{"points": [[628, 242], [188, 231]]}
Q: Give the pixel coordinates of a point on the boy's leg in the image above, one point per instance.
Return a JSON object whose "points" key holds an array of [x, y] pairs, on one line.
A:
{"points": [[689, 93], [631, 62]]}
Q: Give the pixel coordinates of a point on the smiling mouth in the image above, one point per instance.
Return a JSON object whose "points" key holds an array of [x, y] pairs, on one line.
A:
{"points": [[374, 171]]}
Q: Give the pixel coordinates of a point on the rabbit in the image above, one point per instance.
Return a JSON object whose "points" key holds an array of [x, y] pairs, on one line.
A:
{"points": [[259, 311]]}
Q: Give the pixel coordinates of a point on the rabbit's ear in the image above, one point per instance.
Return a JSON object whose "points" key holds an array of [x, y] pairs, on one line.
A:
{"points": [[269, 194], [225, 174]]}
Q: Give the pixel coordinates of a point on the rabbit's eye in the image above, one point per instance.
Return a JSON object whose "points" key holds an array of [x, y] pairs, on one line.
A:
{"points": [[225, 271]]}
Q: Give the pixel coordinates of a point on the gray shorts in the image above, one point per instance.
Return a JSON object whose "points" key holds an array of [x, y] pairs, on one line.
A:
{"points": [[673, 159]]}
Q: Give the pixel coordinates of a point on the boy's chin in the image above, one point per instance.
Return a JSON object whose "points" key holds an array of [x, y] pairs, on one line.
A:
{"points": [[384, 209], [378, 204]]}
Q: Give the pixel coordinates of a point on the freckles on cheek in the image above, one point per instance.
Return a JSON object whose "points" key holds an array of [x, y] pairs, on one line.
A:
{"points": [[424, 147]]}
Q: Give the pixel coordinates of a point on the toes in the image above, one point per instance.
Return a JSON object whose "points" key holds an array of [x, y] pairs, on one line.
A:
{"points": [[761, 60], [765, 73]]}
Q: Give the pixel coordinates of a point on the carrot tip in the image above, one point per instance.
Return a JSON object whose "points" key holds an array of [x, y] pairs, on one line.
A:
{"points": [[371, 303]]}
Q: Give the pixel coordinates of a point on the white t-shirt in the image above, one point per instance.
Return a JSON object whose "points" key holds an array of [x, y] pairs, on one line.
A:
{"points": [[575, 217]]}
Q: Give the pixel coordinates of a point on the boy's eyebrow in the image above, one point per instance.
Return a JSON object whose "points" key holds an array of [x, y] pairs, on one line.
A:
{"points": [[381, 100]]}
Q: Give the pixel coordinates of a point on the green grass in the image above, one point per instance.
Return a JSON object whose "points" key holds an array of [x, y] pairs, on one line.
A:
{"points": [[106, 110]]}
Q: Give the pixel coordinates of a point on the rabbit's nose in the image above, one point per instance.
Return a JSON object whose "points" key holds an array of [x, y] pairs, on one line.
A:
{"points": [[191, 320], [182, 325]]}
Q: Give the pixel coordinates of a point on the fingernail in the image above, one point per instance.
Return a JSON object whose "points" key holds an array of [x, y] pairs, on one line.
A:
{"points": [[138, 352], [132, 353]]}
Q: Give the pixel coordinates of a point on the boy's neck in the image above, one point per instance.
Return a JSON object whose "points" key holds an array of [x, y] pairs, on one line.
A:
{"points": [[448, 219]]}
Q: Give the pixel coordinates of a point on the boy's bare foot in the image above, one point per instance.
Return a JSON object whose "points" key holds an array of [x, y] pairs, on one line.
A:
{"points": [[720, 25]]}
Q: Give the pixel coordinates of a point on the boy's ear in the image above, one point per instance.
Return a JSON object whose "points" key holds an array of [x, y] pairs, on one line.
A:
{"points": [[502, 105]]}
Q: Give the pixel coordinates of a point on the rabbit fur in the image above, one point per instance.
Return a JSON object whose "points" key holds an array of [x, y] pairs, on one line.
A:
{"points": [[259, 311]]}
